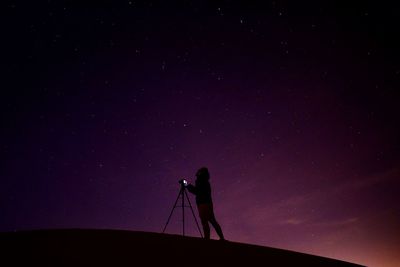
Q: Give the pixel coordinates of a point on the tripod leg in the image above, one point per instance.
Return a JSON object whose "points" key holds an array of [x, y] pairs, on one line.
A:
{"points": [[183, 210], [194, 216], [172, 211]]}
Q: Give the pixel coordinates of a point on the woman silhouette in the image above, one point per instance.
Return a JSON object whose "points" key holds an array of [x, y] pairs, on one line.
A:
{"points": [[202, 190]]}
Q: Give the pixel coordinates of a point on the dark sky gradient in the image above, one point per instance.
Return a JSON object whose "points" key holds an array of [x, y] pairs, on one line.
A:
{"points": [[293, 107]]}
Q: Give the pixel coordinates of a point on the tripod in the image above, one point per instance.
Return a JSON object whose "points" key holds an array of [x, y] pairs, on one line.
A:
{"points": [[182, 194]]}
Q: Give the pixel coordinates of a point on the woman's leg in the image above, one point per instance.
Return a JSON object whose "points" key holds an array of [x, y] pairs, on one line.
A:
{"points": [[204, 217], [213, 221], [217, 227], [206, 229]]}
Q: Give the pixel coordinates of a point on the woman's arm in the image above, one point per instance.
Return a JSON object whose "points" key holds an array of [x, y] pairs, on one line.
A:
{"points": [[192, 189]]}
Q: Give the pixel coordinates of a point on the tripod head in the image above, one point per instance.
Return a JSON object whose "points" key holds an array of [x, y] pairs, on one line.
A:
{"points": [[183, 182]]}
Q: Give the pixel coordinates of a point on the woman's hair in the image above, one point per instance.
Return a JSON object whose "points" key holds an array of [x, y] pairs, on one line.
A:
{"points": [[203, 173]]}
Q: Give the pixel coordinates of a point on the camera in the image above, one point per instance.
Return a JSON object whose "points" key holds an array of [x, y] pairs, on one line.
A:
{"points": [[183, 182]]}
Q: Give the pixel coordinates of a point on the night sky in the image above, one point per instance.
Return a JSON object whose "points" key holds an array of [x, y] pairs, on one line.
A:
{"points": [[293, 107]]}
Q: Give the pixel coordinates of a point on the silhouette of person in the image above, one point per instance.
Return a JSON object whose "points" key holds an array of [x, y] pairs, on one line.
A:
{"points": [[202, 190]]}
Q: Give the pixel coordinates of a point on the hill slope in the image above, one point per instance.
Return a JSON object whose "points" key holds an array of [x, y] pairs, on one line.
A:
{"points": [[78, 247]]}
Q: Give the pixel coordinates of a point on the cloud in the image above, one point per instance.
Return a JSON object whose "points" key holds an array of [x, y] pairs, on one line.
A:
{"points": [[299, 209], [338, 223], [367, 181], [355, 185], [293, 221]]}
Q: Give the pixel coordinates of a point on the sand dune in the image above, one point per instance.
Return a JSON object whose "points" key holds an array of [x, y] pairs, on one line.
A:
{"points": [[81, 247]]}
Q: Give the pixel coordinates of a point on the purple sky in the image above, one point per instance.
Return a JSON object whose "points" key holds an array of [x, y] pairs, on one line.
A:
{"points": [[292, 107]]}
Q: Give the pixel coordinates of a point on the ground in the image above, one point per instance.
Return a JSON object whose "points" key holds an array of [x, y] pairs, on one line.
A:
{"points": [[82, 247]]}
